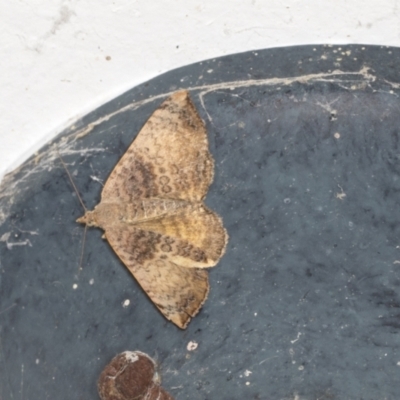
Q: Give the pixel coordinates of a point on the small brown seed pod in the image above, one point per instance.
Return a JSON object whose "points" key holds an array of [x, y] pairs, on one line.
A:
{"points": [[131, 375]]}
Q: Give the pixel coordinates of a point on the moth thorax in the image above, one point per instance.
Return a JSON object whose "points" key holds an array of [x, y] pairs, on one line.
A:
{"points": [[147, 209], [106, 214]]}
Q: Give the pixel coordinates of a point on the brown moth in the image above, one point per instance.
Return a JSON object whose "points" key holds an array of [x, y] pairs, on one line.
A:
{"points": [[153, 214], [131, 375]]}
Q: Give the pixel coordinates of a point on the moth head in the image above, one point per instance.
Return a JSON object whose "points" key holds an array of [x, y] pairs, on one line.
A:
{"points": [[89, 219]]}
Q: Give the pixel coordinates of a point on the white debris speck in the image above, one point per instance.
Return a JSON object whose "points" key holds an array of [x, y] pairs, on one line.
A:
{"points": [[247, 383], [91, 281], [5, 237], [294, 341], [10, 245], [336, 135], [192, 345], [75, 286], [209, 71], [37, 361], [301, 368], [126, 303], [341, 195], [96, 179], [247, 373], [131, 356], [287, 200]]}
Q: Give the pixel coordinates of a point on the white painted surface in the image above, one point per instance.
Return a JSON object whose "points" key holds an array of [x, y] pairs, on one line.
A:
{"points": [[54, 65]]}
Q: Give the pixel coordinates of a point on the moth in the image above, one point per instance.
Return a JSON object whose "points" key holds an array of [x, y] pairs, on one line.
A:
{"points": [[131, 375], [152, 210]]}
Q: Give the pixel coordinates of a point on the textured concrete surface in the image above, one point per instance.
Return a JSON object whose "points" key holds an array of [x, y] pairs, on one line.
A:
{"points": [[304, 305]]}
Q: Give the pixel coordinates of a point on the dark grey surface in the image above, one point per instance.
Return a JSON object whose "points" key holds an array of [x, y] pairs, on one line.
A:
{"points": [[306, 143]]}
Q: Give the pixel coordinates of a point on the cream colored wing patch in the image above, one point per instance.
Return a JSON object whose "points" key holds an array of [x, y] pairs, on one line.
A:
{"points": [[197, 226]]}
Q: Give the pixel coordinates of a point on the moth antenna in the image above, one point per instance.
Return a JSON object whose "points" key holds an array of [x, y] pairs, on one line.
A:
{"points": [[83, 205], [71, 180], [82, 250]]}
